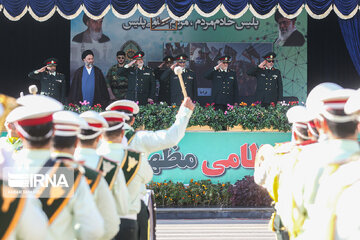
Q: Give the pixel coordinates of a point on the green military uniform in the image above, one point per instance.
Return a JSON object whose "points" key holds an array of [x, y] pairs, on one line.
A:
{"points": [[52, 86], [117, 83], [141, 83]]}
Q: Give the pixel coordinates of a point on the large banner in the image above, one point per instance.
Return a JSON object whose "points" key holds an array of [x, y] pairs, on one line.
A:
{"points": [[219, 156], [246, 39]]}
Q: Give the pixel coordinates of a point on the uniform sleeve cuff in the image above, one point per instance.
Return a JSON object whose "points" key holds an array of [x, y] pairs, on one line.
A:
{"points": [[126, 66], [36, 71], [184, 112]]}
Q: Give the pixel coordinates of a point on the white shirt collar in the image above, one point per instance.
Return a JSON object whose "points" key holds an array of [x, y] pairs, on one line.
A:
{"points": [[88, 70]]}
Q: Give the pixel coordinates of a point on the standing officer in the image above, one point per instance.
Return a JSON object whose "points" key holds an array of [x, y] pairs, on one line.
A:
{"points": [[117, 85], [150, 141], [52, 83], [269, 87], [175, 88], [141, 80], [164, 93], [224, 84]]}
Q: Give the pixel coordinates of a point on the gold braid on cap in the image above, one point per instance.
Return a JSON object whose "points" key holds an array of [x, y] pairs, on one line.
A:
{"points": [[9, 103]]}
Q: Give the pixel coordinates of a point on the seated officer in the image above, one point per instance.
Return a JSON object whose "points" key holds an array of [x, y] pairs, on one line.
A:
{"points": [[64, 144], [141, 80], [35, 127], [224, 84], [189, 78], [52, 82]]}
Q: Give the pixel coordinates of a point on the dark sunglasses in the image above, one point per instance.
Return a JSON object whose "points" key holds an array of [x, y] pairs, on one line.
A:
{"points": [[270, 61]]}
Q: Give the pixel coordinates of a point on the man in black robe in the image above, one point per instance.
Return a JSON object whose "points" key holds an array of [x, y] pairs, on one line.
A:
{"points": [[89, 83]]}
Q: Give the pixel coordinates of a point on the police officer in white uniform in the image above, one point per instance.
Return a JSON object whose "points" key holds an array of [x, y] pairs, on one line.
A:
{"points": [[76, 217]]}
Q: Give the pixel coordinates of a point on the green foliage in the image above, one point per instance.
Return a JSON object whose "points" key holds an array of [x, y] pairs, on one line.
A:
{"points": [[245, 193], [84, 106], [253, 117], [197, 193]]}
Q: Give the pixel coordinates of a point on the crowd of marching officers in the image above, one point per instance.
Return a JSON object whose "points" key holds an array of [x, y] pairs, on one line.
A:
{"points": [[109, 163], [135, 81], [314, 179]]}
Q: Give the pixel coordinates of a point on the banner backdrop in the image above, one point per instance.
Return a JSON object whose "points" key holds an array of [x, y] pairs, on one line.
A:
{"points": [[246, 39], [219, 156]]}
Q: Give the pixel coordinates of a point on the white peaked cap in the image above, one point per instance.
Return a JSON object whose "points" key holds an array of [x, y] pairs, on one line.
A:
{"points": [[352, 105], [31, 116], [40, 101], [68, 123], [95, 121], [313, 101], [122, 105], [115, 116], [336, 100], [298, 114]]}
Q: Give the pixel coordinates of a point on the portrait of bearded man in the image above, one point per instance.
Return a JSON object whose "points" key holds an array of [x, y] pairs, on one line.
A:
{"points": [[289, 36]]}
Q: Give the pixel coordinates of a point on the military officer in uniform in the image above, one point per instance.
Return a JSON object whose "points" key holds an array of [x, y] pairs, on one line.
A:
{"points": [[35, 125], [269, 86], [224, 84], [52, 82], [274, 167], [117, 85], [188, 76], [150, 141], [66, 137], [141, 80], [320, 163], [23, 214], [164, 93], [134, 168]]}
